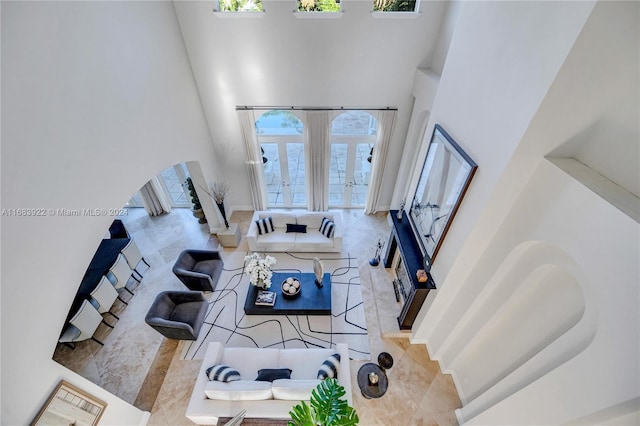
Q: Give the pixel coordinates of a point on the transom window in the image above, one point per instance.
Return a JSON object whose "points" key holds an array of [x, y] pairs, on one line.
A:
{"points": [[395, 5], [240, 5], [318, 5]]}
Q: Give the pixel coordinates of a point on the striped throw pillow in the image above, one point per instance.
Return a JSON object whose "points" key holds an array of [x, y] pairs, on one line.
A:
{"points": [[329, 368], [265, 225], [222, 373], [327, 227]]}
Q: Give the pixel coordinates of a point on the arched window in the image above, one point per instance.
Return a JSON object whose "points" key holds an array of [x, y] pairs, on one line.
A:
{"points": [[353, 135]]}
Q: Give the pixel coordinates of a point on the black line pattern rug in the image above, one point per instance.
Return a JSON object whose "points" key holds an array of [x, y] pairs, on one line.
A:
{"points": [[226, 321]]}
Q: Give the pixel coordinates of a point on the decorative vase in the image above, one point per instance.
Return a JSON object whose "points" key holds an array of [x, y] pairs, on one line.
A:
{"points": [[223, 213], [260, 285]]}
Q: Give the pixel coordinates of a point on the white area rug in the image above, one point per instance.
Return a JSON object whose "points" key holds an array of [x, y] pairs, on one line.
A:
{"points": [[226, 321]]}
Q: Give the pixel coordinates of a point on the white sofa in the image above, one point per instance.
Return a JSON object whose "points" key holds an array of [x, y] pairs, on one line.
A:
{"points": [[280, 240], [212, 399]]}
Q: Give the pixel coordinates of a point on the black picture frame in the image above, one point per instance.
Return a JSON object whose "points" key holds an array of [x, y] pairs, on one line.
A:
{"points": [[445, 177]]}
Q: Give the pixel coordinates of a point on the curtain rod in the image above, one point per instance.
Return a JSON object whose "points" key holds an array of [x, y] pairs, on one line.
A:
{"points": [[245, 107]]}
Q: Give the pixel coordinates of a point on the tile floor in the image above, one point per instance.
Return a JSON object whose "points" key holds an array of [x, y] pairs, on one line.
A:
{"points": [[418, 394]]}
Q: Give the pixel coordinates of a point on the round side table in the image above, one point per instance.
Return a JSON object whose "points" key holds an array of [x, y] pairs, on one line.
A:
{"points": [[372, 390]]}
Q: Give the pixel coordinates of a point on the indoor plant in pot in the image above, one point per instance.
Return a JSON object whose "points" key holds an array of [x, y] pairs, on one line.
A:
{"points": [[326, 407], [197, 207]]}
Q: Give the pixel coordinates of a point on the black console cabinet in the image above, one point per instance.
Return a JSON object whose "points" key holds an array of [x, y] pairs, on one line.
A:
{"points": [[415, 292]]}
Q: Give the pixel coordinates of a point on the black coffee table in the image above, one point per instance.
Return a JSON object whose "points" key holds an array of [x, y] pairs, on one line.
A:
{"points": [[310, 301]]}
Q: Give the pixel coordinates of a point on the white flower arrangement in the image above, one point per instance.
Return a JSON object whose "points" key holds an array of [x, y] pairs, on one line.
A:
{"points": [[259, 269]]}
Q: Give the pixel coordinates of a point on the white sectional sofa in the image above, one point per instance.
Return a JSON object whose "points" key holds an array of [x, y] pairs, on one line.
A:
{"points": [[281, 240], [213, 399]]}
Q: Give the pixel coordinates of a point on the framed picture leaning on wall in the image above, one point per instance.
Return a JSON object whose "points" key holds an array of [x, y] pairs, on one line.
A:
{"points": [[69, 405]]}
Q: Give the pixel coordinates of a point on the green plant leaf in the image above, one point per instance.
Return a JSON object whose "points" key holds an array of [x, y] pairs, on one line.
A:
{"points": [[327, 408]]}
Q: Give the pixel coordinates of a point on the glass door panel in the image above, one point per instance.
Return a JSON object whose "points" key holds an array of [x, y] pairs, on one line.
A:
{"points": [[361, 175], [272, 174], [297, 180], [337, 174]]}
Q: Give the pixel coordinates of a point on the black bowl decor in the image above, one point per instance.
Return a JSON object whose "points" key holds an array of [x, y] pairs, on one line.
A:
{"points": [[291, 283]]}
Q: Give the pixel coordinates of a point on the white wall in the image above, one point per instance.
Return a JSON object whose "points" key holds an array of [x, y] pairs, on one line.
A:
{"points": [[603, 242], [278, 59], [520, 81], [96, 99]]}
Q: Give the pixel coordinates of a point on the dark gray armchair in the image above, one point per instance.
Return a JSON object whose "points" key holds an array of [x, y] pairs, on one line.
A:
{"points": [[178, 314], [199, 269]]}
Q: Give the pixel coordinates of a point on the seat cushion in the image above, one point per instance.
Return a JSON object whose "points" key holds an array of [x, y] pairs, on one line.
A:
{"points": [[311, 240], [278, 237], [241, 390], [207, 266], [293, 390], [188, 312]]}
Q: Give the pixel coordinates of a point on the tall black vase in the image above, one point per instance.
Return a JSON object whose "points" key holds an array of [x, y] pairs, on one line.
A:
{"points": [[224, 215]]}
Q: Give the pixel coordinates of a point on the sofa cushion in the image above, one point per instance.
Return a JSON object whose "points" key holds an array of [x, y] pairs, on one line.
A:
{"points": [[242, 390], [249, 360], [312, 220], [304, 363], [293, 390], [278, 237], [280, 220], [329, 368], [265, 225], [313, 239], [327, 227], [222, 373], [271, 374], [294, 227]]}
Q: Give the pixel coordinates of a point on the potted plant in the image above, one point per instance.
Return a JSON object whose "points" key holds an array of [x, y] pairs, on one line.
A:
{"points": [[327, 408], [197, 207]]}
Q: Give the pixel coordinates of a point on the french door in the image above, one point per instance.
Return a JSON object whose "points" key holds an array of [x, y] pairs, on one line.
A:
{"points": [[285, 172], [349, 172]]}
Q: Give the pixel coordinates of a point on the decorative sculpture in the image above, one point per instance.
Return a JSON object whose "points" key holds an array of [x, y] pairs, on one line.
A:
{"points": [[375, 260], [318, 270]]}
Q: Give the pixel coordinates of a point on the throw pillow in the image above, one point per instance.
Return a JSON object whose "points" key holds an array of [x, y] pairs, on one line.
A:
{"points": [[271, 374], [265, 225], [327, 227], [222, 373], [292, 227], [329, 368]]}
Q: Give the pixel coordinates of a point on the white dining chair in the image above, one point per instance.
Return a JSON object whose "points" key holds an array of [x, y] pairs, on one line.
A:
{"points": [[82, 325], [120, 272], [104, 296], [132, 253]]}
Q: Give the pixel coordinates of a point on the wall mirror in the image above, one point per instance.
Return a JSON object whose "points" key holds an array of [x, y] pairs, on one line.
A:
{"points": [[444, 179]]}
